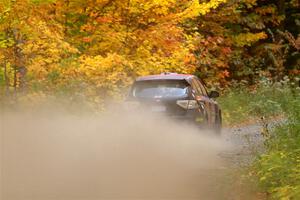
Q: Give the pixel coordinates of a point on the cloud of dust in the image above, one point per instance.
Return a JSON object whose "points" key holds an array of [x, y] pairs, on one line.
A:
{"points": [[56, 155]]}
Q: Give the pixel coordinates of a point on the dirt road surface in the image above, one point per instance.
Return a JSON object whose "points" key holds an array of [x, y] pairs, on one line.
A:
{"points": [[61, 157]]}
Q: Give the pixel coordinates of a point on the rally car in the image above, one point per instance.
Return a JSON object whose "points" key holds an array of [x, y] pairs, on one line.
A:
{"points": [[179, 96]]}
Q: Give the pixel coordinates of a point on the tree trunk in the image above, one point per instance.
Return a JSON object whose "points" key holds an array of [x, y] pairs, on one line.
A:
{"points": [[6, 79], [281, 12], [19, 68]]}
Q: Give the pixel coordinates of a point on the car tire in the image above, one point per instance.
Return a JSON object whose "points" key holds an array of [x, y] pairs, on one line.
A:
{"points": [[218, 124]]}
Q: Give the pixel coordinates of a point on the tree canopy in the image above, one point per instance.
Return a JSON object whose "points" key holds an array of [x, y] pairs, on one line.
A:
{"points": [[95, 48]]}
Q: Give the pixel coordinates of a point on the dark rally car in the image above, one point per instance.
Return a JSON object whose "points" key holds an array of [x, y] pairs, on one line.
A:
{"points": [[179, 96]]}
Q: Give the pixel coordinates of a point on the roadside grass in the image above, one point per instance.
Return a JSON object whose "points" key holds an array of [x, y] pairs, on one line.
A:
{"points": [[241, 104], [276, 171]]}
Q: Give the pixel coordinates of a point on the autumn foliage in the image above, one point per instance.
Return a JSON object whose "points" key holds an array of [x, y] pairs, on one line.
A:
{"points": [[95, 49]]}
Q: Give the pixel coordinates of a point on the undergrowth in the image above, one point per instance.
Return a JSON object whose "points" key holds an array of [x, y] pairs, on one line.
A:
{"points": [[241, 103], [276, 171], [278, 168]]}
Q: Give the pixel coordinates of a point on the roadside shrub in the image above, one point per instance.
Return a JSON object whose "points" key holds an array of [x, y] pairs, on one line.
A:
{"points": [[241, 104], [278, 168]]}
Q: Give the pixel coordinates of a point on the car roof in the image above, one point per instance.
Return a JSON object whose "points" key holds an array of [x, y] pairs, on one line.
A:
{"points": [[165, 76]]}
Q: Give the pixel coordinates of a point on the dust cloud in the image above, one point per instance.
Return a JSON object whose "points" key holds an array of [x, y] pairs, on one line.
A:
{"points": [[54, 155]]}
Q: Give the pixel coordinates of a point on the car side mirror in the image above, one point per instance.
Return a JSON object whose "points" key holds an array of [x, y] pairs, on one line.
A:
{"points": [[214, 94]]}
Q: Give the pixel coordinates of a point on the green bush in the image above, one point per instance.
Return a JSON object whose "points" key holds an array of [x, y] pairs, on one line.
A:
{"points": [[240, 104], [278, 168]]}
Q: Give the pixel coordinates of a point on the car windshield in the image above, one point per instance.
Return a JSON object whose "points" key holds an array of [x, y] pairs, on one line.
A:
{"points": [[160, 89]]}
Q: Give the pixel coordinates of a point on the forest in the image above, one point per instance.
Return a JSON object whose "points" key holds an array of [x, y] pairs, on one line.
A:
{"points": [[88, 52], [94, 49]]}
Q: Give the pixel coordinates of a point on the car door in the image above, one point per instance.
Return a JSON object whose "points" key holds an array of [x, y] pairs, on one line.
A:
{"points": [[210, 105]]}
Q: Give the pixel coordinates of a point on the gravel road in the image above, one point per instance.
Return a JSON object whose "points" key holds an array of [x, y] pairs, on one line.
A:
{"points": [[112, 158], [246, 141]]}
